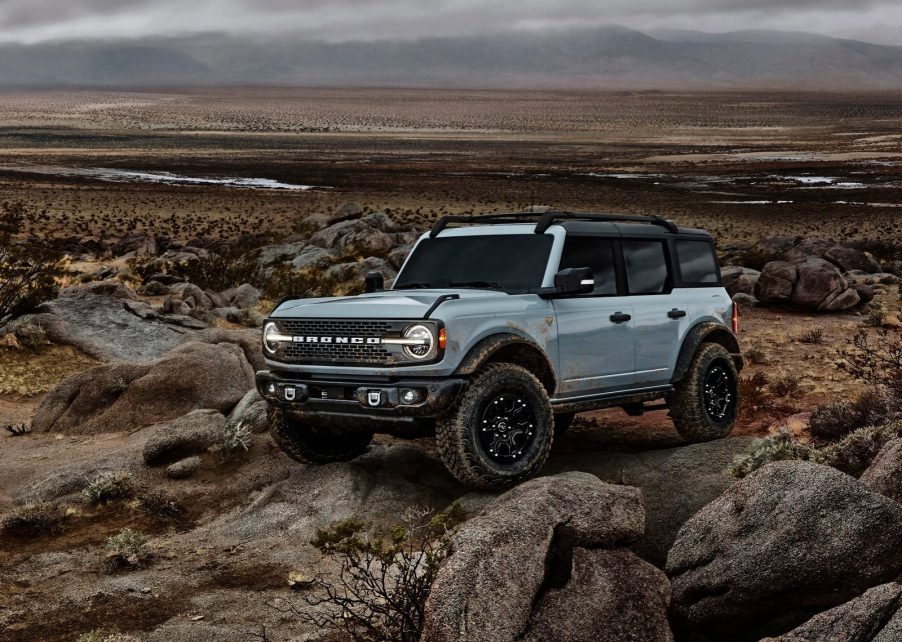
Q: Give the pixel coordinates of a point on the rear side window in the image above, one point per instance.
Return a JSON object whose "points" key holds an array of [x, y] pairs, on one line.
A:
{"points": [[697, 263], [594, 253], [646, 267]]}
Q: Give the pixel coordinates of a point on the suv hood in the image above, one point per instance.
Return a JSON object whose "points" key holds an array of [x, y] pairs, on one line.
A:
{"points": [[390, 304]]}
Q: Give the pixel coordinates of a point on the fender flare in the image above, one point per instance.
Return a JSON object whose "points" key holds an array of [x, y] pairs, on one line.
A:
{"points": [[507, 346], [705, 332]]}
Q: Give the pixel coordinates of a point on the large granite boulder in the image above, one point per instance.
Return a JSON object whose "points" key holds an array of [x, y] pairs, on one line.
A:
{"points": [[812, 284], [185, 436], [884, 475], [876, 616], [128, 396], [503, 560], [848, 259], [737, 279], [785, 542]]}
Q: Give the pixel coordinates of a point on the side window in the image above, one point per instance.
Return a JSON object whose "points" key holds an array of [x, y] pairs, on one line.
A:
{"points": [[594, 253], [646, 266], [697, 262]]}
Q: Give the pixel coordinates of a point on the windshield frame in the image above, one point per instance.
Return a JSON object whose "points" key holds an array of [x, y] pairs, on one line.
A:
{"points": [[556, 232]]}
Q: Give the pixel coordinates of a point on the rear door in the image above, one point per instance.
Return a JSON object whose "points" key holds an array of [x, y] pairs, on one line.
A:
{"points": [[657, 321], [595, 331]]}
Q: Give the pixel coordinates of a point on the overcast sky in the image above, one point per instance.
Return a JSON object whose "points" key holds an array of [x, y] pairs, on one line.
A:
{"points": [[338, 20]]}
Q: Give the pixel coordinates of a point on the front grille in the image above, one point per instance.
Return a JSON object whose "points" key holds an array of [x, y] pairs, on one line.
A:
{"points": [[339, 353]]}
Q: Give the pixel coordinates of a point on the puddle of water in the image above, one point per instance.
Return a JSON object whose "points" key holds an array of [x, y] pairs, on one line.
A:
{"points": [[167, 178], [623, 176], [751, 202]]}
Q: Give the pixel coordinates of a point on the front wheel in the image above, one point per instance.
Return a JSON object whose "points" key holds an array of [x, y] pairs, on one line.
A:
{"points": [[705, 403], [311, 444], [501, 431]]}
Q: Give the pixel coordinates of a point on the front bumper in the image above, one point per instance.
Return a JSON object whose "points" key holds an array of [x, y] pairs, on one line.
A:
{"points": [[379, 398]]}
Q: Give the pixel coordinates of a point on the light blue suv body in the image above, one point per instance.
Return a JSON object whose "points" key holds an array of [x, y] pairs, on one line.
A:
{"points": [[602, 310]]}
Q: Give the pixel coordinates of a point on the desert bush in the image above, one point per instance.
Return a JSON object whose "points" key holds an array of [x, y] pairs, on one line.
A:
{"points": [[383, 584], [876, 357], [233, 441], [228, 265], [786, 385], [127, 549], [109, 487], [158, 504], [779, 447], [833, 421], [29, 267], [307, 282], [32, 336], [756, 355], [37, 518], [813, 335], [855, 452]]}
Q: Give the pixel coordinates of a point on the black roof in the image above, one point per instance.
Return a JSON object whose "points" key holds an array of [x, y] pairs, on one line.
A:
{"points": [[581, 223]]}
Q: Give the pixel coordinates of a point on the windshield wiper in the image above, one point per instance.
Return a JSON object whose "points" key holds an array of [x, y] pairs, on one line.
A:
{"points": [[474, 284], [412, 285]]}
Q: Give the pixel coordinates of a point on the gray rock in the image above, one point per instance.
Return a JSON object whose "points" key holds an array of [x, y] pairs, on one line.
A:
{"points": [[776, 282], [884, 475], [788, 540], [745, 300], [135, 245], [70, 478], [610, 595], [127, 396], [487, 588], [185, 298], [376, 487], [244, 296], [847, 258], [252, 411], [105, 321], [310, 256], [876, 616], [812, 284], [186, 436], [675, 482], [183, 468], [893, 267], [865, 293], [355, 271], [737, 279]]}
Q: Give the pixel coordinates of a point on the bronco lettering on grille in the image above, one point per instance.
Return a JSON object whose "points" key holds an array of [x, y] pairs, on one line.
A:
{"points": [[339, 340]]}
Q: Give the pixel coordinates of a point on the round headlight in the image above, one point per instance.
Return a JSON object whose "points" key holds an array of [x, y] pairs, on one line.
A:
{"points": [[270, 332], [422, 340]]}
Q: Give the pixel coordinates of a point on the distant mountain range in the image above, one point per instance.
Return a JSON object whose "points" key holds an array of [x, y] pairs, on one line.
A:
{"points": [[602, 58]]}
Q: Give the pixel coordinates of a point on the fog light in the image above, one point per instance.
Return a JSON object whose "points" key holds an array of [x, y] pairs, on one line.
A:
{"points": [[411, 395]]}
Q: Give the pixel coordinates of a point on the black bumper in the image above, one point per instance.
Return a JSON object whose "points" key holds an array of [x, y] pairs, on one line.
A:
{"points": [[377, 400]]}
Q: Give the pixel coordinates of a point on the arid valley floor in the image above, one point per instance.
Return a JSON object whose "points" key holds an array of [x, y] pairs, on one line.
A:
{"points": [[224, 163]]}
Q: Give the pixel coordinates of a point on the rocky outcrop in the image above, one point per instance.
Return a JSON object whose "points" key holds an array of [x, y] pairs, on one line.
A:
{"points": [[511, 567], [244, 296], [812, 284], [105, 320], [788, 540], [884, 475], [189, 435], [252, 412], [739, 280], [793, 250], [128, 396], [611, 595], [876, 616]]}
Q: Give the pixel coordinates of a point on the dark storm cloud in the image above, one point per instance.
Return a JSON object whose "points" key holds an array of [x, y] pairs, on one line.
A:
{"points": [[336, 20]]}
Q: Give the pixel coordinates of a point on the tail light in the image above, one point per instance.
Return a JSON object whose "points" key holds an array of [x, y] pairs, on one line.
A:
{"points": [[735, 318]]}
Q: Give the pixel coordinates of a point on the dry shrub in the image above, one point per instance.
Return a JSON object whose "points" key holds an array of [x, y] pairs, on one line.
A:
{"points": [[780, 447], [29, 267], [786, 385], [110, 487], [383, 584], [37, 518], [127, 549]]}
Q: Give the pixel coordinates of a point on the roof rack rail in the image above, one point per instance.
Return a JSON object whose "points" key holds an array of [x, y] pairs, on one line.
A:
{"points": [[546, 219]]}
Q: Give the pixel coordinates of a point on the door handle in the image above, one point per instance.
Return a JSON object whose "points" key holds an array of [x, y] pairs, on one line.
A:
{"points": [[620, 317], [676, 314]]}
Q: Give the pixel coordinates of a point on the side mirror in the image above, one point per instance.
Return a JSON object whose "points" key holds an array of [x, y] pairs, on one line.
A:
{"points": [[574, 281], [373, 282]]}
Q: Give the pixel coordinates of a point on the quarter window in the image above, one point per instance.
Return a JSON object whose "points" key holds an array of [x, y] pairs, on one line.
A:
{"points": [[596, 254], [646, 267], [697, 263]]}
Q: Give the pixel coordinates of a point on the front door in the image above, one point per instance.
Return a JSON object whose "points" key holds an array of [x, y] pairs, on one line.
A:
{"points": [[596, 343]]}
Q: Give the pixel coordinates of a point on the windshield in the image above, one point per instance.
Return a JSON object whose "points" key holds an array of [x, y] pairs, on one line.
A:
{"points": [[514, 263]]}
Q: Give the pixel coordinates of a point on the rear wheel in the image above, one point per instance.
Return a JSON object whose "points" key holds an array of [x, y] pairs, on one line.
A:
{"points": [[704, 404], [501, 431], [315, 444]]}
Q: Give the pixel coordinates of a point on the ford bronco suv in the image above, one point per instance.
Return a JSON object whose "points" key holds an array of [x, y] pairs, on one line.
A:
{"points": [[497, 330]]}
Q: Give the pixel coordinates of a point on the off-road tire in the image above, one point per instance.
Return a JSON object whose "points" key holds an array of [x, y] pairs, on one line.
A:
{"points": [[315, 445], [687, 403], [562, 422], [457, 433]]}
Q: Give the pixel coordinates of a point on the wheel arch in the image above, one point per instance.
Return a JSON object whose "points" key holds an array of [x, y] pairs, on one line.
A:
{"points": [[510, 348], [706, 332]]}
